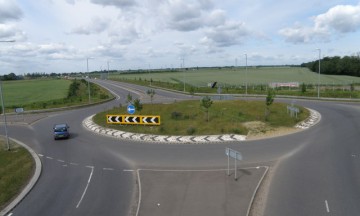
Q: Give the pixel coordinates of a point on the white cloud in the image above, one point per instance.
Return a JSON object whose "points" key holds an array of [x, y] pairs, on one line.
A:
{"points": [[116, 3], [340, 19], [190, 16], [9, 11], [228, 34], [11, 32], [96, 26], [159, 32]]}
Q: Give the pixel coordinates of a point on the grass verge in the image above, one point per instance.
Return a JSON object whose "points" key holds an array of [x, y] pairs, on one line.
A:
{"points": [[16, 169], [225, 117]]}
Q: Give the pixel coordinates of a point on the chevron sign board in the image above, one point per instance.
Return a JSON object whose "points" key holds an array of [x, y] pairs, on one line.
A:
{"points": [[133, 119], [114, 119]]}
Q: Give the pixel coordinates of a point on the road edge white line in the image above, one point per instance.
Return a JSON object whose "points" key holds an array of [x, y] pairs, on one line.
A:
{"points": [[327, 206], [87, 185], [139, 202]]}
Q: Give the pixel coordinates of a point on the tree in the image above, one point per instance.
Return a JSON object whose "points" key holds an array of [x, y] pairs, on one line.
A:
{"points": [[206, 102], [151, 93], [138, 106], [129, 99], [303, 88], [269, 100]]}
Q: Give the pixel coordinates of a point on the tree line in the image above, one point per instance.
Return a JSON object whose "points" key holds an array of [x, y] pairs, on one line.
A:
{"points": [[347, 65]]}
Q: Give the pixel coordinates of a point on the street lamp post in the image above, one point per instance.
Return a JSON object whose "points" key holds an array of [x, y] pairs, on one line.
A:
{"points": [[87, 69], [246, 81], [318, 93], [4, 113], [3, 104], [108, 70], [183, 68]]}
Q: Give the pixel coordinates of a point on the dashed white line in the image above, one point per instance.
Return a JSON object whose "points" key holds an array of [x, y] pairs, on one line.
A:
{"points": [[125, 170], [108, 169], [61, 161], [327, 206], [87, 185], [74, 164], [49, 158], [40, 155]]}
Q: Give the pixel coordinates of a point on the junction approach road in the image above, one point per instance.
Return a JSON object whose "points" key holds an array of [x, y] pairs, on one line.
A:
{"points": [[313, 172]]}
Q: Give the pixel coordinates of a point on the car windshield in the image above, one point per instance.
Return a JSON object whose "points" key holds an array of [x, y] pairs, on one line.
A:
{"points": [[60, 129]]}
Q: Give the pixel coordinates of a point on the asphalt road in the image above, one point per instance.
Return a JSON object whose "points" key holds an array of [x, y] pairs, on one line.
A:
{"points": [[314, 172]]}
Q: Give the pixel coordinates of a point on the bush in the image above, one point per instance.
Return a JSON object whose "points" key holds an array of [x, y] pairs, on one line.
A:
{"points": [[176, 115], [190, 130]]}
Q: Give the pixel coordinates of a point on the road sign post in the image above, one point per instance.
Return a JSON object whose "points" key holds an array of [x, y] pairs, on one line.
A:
{"points": [[236, 155]]}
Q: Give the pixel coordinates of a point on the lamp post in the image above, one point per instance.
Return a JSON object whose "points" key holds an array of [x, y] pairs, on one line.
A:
{"points": [[318, 93], [183, 68], [108, 70], [87, 69], [3, 104], [246, 81]]}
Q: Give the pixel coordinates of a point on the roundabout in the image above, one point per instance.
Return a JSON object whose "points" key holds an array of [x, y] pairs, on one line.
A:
{"points": [[305, 173]]}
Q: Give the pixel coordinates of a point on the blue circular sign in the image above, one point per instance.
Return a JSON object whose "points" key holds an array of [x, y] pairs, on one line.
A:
{"points": [[131, 109]]}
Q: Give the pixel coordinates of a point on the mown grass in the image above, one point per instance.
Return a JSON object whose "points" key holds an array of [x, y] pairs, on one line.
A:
{"points": [[16, 168], [38, 90], [49, 93], [226, 117]]}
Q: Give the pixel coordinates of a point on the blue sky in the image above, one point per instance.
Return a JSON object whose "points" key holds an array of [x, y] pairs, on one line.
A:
{"points": [[60, 35]]}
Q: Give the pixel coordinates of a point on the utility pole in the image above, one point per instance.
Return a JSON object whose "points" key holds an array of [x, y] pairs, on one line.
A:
{"points": [[183, 68], [3, 104], [318, 93]]}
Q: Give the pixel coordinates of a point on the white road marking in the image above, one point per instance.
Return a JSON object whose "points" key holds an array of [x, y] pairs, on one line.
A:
{"points": [[49, 158], [327, 206], [109, 169], [87, 185], [74, 164], [10, 214], [65, 165], [61, 161], [40, 155], [125, 170]]}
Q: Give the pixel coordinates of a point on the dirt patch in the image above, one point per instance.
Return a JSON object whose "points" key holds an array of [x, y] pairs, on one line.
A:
{"points": [[260, 130]]}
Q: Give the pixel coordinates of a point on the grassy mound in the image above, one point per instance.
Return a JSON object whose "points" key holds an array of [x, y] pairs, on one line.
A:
{"points": [[189, 118]]}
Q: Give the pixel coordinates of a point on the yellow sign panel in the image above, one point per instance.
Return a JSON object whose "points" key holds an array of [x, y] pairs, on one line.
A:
{"points": [[133, 119]]}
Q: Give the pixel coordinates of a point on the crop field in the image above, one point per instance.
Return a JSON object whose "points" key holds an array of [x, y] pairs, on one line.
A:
{"points": [[240, 76], [29, 91]]}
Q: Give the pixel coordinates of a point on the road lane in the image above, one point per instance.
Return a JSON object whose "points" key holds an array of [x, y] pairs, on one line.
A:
{"points": [[314, 166], [322, 170]]}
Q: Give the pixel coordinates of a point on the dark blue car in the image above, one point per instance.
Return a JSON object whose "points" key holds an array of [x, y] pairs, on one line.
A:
{"points": [[61, 131]]}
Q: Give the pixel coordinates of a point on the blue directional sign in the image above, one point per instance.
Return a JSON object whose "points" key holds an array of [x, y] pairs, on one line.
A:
{"points": [[131, 109]]}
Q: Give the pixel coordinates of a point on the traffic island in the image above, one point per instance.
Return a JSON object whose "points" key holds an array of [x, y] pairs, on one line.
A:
{"points": [[198, 192]]}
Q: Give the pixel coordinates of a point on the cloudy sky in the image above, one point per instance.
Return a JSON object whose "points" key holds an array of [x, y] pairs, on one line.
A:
{"points": [[61, 35]]}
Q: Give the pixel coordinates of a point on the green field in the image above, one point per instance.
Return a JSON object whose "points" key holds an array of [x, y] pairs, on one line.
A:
{"points": [[240, 76], [40, 94], [21, 92]]}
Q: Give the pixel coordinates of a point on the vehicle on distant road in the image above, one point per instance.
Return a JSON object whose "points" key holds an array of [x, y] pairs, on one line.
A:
{"points": [[61, 131]]}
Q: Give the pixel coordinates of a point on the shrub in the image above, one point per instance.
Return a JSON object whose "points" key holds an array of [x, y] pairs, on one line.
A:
{"points": [[176, 115], [190, 130]]}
